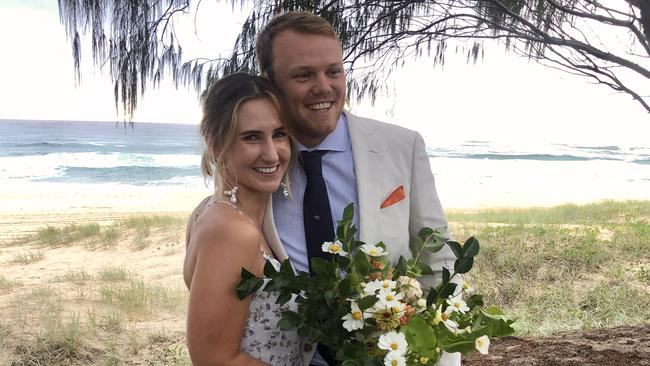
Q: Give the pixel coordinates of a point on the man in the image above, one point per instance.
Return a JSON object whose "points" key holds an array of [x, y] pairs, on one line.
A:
{"points": [[380, 167]]}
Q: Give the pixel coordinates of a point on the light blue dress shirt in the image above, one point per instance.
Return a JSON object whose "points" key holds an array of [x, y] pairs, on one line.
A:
{"points": [[341, 182]]}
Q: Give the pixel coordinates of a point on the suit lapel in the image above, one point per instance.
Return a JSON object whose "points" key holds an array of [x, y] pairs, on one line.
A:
{"points": [[271, 234], [366, 153]]}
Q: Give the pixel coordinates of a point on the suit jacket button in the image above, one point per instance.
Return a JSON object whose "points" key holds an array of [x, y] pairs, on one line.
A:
{"points": [[307, 347]]}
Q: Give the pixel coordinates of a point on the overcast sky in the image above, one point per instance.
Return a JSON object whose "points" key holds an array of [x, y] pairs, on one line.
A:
{"points": [[502, 98]]}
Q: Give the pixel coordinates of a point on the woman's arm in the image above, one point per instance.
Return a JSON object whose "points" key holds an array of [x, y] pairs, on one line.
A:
{"points": [[216, 317]]}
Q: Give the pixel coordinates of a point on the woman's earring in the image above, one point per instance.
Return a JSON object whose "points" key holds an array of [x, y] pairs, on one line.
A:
{"points": [[285, 190], [232, 193]]}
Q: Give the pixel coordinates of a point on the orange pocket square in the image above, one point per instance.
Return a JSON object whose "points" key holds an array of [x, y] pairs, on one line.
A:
{"points": [[396, 196]]}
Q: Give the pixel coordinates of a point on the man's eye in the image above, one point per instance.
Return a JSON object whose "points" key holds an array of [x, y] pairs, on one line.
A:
{"points": [[336, 72], [302, 76]]}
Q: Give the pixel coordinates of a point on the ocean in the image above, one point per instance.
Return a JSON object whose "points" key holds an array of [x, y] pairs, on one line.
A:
{"points": [[468, 173]]}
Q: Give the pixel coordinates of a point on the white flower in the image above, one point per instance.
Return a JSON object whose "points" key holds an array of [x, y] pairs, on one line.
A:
{"points": [[389, 298], [334, 247], [394, 359], [421, 305], [414, 290], [371, 288], [355, 318], [373, 250], [482, 344], [393, 342], [458, 305], [443, 316]]}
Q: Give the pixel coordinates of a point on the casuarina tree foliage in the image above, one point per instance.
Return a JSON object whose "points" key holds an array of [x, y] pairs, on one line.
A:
{"points": [[606, 41]]}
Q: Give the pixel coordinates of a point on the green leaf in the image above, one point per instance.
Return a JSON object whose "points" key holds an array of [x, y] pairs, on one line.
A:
{"points": [[420, 337], [445, 275], [432, 297], [350, 363], [447, 290], [345, 287], [269, 270], [434, 246], [463, 265], [321, 267], [283, 297], [344, 263], [330, 297], [425, 233], [248, 286], [471, 247], [348, 212], [360, 262], [456, 248], [290, 320], [462, 347], [366, 302], [401, 267], [425, 269], [416, 244], [286, 267], [475, 300], [246, 275]]}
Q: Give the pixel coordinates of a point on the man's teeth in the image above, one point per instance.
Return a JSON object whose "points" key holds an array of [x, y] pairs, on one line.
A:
{"points": [[320, 106], [267, 170]]}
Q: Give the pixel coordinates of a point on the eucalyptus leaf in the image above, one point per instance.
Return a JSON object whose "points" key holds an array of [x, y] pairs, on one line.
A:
{"points": [[463, 265], [416, 244], [445, 275], [447, 290], [425, 233], [432, 297], [471, 247], [456, 248]]}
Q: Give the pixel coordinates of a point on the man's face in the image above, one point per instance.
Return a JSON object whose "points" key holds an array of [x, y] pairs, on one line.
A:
{"points": [[309, 70]]}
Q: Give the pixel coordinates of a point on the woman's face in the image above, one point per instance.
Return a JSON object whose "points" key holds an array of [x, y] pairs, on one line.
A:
{"points": [[259, 154]]}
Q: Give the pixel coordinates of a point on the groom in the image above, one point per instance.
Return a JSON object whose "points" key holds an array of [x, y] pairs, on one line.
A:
{"points": [[380, 167]]}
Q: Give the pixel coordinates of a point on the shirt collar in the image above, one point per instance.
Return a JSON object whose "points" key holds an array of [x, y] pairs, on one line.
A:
{"points": [[338, 140]]}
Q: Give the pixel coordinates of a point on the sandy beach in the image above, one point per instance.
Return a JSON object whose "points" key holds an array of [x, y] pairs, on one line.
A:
{"points": [[25, 208]]}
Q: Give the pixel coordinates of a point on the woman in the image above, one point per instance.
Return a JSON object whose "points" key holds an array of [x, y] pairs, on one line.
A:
{"points": [[247, 154]]}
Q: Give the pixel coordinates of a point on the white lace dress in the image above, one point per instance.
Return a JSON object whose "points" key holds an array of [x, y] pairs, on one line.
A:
{"points": [[263, 339]]}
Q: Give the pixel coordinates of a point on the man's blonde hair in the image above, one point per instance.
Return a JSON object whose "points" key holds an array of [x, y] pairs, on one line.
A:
{"points": [[297, 21]]}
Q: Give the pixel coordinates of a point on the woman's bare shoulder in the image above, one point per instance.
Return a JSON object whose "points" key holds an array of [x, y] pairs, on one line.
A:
{"points": [[222, 225]]}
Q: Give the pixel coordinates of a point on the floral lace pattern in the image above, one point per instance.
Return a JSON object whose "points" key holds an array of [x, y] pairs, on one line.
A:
{"points": [[263, 339]]}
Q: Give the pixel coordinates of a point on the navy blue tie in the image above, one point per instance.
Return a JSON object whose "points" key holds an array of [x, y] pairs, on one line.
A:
{"points": [[317, 217], [316, 210]]}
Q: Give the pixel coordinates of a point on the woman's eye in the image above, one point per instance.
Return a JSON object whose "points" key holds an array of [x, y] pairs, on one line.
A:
{"points": [[279, 134], [251, 137]]}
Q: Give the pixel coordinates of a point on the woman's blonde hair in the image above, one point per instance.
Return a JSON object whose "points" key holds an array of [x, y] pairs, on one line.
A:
{"points": [[220, 122]]}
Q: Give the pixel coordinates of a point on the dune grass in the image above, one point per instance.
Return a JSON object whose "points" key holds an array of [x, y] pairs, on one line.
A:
{"points": [[555, 269], [563, 268]]}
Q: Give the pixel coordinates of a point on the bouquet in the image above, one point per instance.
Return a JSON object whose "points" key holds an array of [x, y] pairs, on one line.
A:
{"points": [[371, 312]]}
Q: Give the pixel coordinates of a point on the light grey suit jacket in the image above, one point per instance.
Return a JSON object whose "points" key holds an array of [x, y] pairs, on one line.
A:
{"points": [[386, 157]]}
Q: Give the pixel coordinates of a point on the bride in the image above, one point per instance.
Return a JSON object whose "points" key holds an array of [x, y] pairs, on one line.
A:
{"points": [[247, 153]]}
